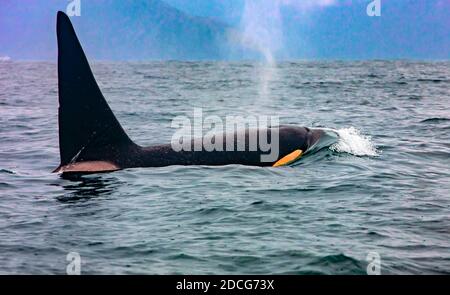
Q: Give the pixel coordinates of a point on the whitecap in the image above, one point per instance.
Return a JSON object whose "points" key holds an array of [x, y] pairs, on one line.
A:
{"points": [[352, 141]]}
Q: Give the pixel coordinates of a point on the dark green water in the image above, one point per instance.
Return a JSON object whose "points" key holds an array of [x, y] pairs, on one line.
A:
{"points": [[384, 187]]}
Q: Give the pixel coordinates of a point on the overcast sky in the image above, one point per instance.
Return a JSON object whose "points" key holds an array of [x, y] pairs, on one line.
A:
{"points": [[279, 29]]}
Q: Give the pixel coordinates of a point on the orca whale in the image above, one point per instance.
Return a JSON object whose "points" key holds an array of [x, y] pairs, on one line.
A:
{"points": [[91, 139]]}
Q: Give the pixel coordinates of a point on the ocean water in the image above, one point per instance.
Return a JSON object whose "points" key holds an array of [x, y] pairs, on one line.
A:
{"points": [[384, 187]]}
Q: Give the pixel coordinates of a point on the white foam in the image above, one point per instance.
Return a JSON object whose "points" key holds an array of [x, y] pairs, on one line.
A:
{"points": [[353, 142], [5, 58]]}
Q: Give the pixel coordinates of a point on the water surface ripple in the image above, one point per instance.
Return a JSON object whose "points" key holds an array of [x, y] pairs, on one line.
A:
{"points": [[320, 216]]}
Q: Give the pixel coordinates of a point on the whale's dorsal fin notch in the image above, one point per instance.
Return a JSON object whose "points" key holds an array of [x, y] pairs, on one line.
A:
{"points": [[86, 122]]}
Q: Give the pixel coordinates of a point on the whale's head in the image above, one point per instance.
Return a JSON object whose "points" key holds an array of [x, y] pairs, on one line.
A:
{"points": [[318, 139]]}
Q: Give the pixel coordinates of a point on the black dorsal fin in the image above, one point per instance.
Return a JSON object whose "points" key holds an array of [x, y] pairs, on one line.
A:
{"points": [[86, 122]]}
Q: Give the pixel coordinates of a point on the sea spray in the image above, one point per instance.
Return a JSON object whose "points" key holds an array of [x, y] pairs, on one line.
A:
{"points": [[261, 32], [353, 142]]}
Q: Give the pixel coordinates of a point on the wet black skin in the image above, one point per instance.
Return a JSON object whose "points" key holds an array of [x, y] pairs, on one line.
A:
{"points": [[131, 155]]}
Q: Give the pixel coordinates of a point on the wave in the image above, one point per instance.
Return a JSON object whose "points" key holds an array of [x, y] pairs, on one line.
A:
{"points": [[435, 120], [7, 171], [351, 141], [432, 80], [4, 58]]}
